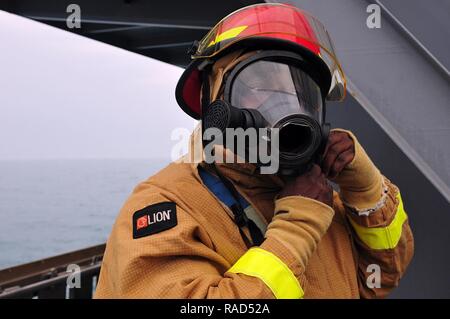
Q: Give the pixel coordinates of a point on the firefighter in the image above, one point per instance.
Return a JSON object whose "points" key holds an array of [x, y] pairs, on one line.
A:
{"points": [[199, 229]]}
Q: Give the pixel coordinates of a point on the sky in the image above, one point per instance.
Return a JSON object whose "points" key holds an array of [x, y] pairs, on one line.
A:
{"points": [[66, 96]]}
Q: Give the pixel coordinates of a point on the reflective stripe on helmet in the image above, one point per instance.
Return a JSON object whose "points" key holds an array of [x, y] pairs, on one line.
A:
{"points": [[229, 34], [260, 263], [383, 237]]}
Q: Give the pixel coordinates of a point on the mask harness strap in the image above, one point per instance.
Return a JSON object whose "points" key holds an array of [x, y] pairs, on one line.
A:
{"points": [[240, 217], [206, 90]]}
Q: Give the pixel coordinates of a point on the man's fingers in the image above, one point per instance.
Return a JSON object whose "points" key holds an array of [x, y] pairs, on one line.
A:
{"points": [[333, 152], [334, 138], [325, 193], [329, 159], [341, 162], [312, 184], [314, 172]]}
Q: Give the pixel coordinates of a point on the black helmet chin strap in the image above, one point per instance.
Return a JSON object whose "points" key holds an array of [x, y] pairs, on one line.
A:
{"points": [[205, 69], [206, 91]]}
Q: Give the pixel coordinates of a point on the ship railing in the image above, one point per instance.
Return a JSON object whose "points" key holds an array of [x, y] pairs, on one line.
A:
{"points": [[72, 275]]}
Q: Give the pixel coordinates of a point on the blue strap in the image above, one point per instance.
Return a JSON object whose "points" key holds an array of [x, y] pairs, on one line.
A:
{"points": [[216, 186]]}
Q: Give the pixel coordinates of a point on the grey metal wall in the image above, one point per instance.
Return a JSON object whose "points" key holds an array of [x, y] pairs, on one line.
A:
{"points": [[399, 108], [394, 79], [428, 275], [428, 21]]}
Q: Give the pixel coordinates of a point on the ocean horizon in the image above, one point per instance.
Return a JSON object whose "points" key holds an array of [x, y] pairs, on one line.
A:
{"points": [[50, 207]]}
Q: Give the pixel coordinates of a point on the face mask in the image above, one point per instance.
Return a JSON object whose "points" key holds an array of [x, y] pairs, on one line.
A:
{"points": [[277, 91]]}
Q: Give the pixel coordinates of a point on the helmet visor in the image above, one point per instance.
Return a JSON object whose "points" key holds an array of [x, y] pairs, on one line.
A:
{"points": [[281, 22], [277, 90]]}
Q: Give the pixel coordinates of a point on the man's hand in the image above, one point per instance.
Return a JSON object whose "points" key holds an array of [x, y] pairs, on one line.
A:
{"points": [[346, 163], [312, 184], [339, 152]]}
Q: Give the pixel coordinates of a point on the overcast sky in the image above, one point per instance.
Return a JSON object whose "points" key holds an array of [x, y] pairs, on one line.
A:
{"points": [[66, 96]]}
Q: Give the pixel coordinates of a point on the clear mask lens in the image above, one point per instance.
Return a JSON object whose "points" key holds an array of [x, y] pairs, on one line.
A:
{"points": [[277, 90]]}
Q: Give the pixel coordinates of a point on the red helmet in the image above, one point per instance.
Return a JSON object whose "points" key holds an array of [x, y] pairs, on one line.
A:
{"points": [[263, 26]]}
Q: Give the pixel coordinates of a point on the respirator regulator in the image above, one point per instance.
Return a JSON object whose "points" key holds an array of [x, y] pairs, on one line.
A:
{"points": [[276, 91]]}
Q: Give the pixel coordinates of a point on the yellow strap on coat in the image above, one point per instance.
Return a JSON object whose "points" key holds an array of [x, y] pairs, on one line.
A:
{"points": [[260, 263], [383, 237]]}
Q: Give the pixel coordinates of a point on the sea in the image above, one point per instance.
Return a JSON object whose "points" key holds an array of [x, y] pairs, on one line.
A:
{"points": [[50, 207]]}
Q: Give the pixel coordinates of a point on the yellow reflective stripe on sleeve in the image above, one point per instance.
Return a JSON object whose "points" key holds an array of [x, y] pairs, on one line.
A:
{"points": [[260, 263], [229, 34], [383, 237]]}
